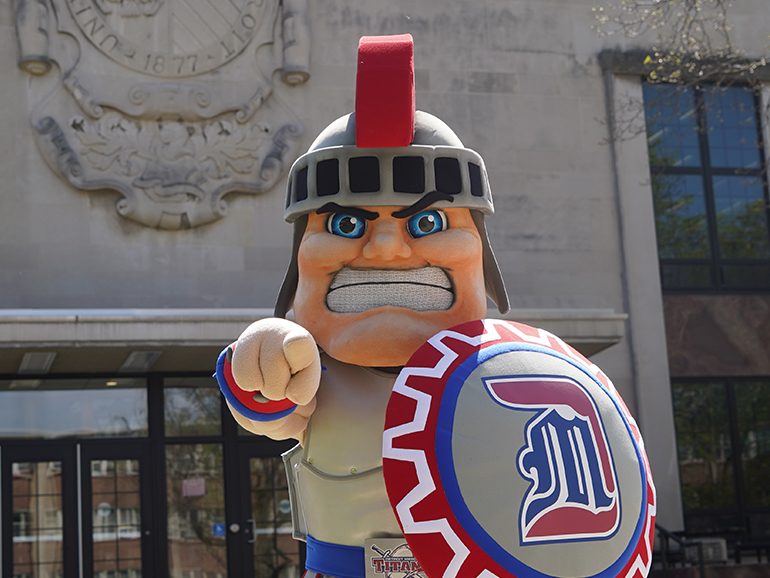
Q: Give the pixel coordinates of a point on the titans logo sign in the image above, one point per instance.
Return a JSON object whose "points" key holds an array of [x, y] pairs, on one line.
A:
{"points": [[574, 493], [507, 453]]}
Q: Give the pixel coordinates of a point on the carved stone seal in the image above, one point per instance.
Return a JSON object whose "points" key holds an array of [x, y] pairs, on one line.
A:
{"points": [[168, 102], [175, 38]]}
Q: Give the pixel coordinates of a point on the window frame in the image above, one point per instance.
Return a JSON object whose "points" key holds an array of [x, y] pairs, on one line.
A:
{"points": [[707, 172], [741, 511]]}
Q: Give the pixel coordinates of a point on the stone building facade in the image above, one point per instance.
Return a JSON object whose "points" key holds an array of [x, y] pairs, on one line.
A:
{"points": [[145, 146]]}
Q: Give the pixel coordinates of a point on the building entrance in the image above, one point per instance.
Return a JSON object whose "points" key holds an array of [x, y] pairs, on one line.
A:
{"points": [[149, 478], [79, 509]]}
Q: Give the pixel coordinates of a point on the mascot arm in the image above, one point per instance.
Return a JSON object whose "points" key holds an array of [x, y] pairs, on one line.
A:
{"points": [[270, 377]]}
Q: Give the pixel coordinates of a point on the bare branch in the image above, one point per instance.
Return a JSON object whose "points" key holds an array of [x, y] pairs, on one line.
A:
{"points": [[693, 44]]}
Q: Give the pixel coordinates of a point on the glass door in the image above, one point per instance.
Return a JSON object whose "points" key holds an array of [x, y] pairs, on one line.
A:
{"points": [[117, 510], [76, 509], [195, 497], [265, 541], [39, 514]]}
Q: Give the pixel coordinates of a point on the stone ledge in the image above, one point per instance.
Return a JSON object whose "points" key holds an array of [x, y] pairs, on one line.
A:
{"points": [[587, 330], [61, 327], [73, 333], [123, 327]]}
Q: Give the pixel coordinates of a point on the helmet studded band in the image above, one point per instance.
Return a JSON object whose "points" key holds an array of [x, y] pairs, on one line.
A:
{"points": [[355, 177]]}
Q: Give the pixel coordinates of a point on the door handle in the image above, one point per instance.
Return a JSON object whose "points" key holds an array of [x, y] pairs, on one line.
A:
{"points": [[253, 531]]}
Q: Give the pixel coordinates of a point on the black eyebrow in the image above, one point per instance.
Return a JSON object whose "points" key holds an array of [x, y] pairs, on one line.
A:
{"points": [[423, 203], [355, 211]]}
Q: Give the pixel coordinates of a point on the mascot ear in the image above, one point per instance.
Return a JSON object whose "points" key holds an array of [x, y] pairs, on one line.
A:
{"points": [[289, 287], [385, 100], [493, 278]]}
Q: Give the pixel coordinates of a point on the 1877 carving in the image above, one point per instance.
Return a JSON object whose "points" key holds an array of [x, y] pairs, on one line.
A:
{"points": [[169, 102]]}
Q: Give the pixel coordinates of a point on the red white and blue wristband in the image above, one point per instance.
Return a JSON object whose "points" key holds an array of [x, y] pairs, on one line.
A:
{"points": [[250, 404]]}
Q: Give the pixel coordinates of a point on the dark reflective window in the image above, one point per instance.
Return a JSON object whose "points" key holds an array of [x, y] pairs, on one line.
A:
{"points": [[703, 440], [275, 552], [38, 523], [732, 128], [745, 277], [723, 441], [709, 188], [192, 406], [741, 213], [196, 507], [53, 408], [680, 216], [752, 400], [672, 125], [686, 276], [116, 517]]}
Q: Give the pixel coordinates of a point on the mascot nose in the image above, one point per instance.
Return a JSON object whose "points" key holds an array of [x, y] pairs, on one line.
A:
{"points": [[387, 241]]}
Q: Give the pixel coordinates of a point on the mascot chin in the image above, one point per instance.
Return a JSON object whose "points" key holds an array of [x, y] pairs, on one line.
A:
{"points": [[431, 442]]}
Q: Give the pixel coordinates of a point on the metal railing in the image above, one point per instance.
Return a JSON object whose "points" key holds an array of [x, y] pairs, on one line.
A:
{"points": [[670, 556]]}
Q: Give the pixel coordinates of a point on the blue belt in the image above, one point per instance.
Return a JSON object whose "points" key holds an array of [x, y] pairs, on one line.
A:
{"points": [[335, 559]]}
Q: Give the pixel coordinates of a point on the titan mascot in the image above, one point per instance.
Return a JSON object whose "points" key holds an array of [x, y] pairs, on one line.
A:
{"points": [[443, 442], [390, 247]]}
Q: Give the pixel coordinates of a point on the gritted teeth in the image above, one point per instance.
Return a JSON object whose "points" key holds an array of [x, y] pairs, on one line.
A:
{"points": [[357, 290], [422, 276]]}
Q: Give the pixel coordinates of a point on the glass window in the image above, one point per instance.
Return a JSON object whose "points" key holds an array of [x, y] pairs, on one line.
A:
{"points": [[192, 406], [732, 128], [275, 552], [37, 519], [723, 437], [54, 408], [680, 216], [709, 187], [752, 400], [739, 203], [116, 517], [672, 126], [703, 440]]}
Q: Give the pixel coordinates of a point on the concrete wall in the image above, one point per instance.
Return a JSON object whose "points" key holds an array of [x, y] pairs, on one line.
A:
{"points": [[517, 80]]}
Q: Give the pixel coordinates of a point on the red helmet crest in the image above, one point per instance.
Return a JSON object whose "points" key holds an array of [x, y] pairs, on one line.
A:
{"points": [[385, 101]]}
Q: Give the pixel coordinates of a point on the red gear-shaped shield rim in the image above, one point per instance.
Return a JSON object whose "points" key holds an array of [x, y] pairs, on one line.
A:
{"points": [[439, 541]]}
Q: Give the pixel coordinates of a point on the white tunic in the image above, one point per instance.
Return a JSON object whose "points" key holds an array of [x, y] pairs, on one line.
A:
{"points": [[338, 481]]}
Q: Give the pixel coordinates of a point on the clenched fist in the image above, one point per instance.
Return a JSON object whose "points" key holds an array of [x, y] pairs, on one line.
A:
{"points": [[278, 359]]}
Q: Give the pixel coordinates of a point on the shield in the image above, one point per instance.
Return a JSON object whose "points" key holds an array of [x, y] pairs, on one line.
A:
{"points": [[508, 453]]}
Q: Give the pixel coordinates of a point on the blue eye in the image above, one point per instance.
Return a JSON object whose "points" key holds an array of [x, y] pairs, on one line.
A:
{"points": [[426, 223], [347, 226]]}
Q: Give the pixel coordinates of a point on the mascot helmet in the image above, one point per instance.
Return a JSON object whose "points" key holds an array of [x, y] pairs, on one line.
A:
{"points": [[388, 154]]}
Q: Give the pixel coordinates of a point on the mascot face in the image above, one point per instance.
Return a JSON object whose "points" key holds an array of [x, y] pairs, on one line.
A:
{"points": [[376, 282]]}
